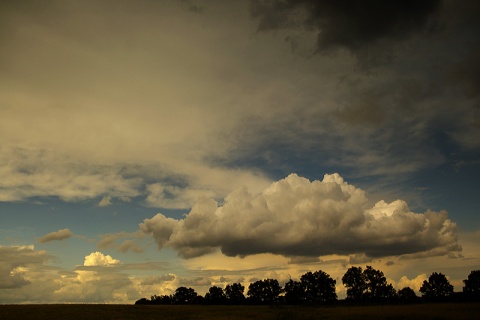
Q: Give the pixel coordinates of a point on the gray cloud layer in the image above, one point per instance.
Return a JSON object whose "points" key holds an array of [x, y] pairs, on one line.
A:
{"points": [[163, 102], [296, 217]]}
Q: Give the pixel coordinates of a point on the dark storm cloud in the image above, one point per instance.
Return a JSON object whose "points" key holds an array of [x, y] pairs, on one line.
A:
{"points": [[465, 71], [400, 117], [346, 23], [296, 217], [388, 126]]}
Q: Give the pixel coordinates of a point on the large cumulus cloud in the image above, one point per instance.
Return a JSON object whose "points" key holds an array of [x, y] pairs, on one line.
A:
{"points": [[297, 217]]}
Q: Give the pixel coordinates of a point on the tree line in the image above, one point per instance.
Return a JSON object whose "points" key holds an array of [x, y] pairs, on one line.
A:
{"points": [[363, 286]]}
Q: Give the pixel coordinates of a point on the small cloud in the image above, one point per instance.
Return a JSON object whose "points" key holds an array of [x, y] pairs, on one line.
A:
{"points": [[174, 197], [95, 259], [303, 260], [106, 201], [359, 258], [57, 235], [389, 263], [130, 245], [150, 281], [455, 255], [197, 281], [109, 241], [414, 283], [421, 188]]}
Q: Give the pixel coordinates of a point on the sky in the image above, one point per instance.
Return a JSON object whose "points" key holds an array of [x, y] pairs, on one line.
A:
{"points": [[147, 145]]}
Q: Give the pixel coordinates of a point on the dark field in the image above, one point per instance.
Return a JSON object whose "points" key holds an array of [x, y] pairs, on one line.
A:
{"points": [[123, 312]]}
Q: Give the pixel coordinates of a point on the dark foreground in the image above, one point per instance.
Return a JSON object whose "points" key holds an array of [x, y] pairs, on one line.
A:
{"points": [[123, 312]]}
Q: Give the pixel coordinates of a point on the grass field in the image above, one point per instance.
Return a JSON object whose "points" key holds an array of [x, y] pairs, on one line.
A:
{"points": [[124, 312]]}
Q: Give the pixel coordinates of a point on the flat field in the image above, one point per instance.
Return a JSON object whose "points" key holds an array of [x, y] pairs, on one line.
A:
{"points": [[124, 312]]}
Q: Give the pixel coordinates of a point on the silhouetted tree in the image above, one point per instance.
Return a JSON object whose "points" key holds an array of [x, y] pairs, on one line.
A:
{"points": [[142, 301], [163, 299], [319, 287], [369, 284], [294, 292], [264, 291], [472, 284], [234, 293], [377, 286], [355, 282], [436, 287], [185, 295], [215, 295], [407, 295], [199, 299]]}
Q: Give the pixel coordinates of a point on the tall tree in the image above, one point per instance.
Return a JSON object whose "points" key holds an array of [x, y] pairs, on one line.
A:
{"points": [[368, 284], [472, 283], [355, 282], [185, 295], [377, 287], [215, 295], [319, 287], [437, 286], [234, 293], [407, 295], [294, 292], [164, 299], [264, 291]]}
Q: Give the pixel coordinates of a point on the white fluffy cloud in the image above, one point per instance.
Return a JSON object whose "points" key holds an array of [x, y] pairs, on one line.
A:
{"points": [[296, 217], [99, 259], [57, 235], [414, 283]]}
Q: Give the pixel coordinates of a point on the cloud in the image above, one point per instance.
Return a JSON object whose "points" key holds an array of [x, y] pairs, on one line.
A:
{"points": [[359, 258], [296, 217], [220, 122], [110, 240], [173, 197], [414, 283], [29, 279], [31, 172], [347, 24], [106, 201], [14, 260], [195, 281], [79, 142], [149, 281], [57, 235], [95, 259]]}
